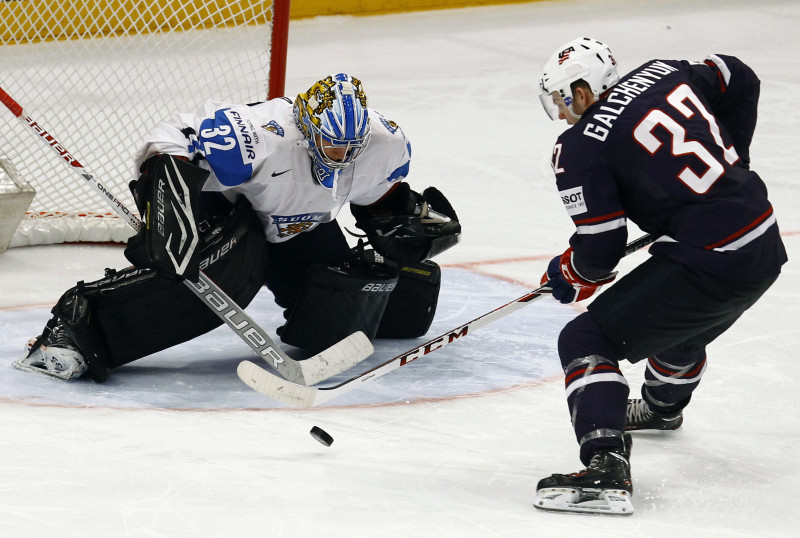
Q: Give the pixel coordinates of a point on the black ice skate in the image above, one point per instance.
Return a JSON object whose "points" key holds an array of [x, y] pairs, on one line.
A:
{"points": [[640, 416], [604, 487]]}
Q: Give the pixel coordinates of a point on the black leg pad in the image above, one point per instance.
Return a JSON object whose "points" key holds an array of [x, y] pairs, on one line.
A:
{"points": [[412, 304], [336, 302]]}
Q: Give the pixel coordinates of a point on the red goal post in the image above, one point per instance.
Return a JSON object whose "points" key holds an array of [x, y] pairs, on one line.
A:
{"points": [[104, 73]]}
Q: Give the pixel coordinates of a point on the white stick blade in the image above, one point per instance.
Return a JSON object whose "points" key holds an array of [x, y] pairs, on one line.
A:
{"points": [[341, 356], [273, 386]]}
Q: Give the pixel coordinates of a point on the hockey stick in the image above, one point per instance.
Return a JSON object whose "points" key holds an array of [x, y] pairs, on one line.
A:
{"points": [[330, 362], [262, 381]]}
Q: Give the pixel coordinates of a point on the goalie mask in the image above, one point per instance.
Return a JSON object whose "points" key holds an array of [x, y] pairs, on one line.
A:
{"points": [[584, 58], [333, 117]]}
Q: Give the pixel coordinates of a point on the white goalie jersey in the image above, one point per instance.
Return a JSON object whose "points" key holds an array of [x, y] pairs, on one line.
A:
{"points": [[257, 151]]}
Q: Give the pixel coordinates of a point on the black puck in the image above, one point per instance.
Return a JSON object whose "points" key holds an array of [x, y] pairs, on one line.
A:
{"points": [[321, 435]]}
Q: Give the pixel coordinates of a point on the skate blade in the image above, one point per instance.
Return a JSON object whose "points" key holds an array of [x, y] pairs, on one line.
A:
{"points": [[609, 501], [19, 365], [24, 364]]}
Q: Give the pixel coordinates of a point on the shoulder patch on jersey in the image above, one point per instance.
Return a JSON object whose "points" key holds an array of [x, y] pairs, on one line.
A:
{"points": [[574, 201], [273, 127], [391, 126], [399, 173]]}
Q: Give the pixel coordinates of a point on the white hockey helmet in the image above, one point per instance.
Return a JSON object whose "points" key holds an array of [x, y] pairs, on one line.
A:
{"points": [[332, 114], [583, 58]]}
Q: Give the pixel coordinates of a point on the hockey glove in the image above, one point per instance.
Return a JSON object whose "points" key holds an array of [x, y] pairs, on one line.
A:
{"points": [[567, 284], [408, 227]]}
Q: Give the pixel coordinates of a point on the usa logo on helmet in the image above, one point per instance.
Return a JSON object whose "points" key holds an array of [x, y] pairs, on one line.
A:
{"points": [[563, 56]]}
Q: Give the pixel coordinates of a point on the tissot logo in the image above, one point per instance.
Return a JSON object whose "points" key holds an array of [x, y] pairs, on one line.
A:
{"points": [[574, 201]]}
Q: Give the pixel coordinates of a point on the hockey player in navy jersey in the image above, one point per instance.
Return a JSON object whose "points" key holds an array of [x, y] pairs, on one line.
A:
{"points": [[253, 193], [666, 147]]}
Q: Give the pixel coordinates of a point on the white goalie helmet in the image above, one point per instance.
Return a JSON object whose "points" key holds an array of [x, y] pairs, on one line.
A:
{"points": [[583, 58]]}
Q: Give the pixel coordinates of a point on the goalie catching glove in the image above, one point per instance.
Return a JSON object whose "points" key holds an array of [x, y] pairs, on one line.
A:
{"points": [[167, 195], [567, 285], [409, 227]]}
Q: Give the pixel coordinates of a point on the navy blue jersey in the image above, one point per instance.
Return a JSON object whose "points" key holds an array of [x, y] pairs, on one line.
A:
{"points": [[668, 148]]}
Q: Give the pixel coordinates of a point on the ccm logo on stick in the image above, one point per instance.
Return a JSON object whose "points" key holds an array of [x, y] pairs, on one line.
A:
{"points": [[433, 345]]}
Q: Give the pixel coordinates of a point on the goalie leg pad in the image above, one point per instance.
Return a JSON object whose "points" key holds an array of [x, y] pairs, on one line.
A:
{"points": [[131, 313], [125, 316], [336, 302], [412, 304]]}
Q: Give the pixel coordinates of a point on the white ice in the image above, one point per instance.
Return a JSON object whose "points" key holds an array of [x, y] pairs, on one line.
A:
{"points": [[451, 445]]}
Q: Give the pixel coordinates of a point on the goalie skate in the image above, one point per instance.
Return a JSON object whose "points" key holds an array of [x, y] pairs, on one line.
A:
{"points": [[56, 356]]}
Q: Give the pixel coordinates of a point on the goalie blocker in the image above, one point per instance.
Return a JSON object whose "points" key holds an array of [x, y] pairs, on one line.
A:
{"points": [[167, 194]]}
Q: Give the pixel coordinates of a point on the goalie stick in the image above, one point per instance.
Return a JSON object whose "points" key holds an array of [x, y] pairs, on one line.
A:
{"points": [[276, 388], [328, 363]]}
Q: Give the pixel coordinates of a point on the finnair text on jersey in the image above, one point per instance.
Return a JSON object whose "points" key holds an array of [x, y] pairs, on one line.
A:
{"points": [[243, 133]]}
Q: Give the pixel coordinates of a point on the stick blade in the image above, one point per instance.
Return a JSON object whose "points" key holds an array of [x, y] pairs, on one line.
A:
{"points": [[268, 384], [341, 356]]}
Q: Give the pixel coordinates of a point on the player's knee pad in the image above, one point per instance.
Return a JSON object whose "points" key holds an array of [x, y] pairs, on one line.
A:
{"points": [[582, 337], [412, 305], [338, 301]]}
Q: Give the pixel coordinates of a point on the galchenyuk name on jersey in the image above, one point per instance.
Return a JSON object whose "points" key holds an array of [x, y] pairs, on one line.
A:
{"points": [[622, 94]]}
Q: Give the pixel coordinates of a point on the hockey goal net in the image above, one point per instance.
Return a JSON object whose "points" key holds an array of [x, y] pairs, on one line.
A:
{"points": [[100, 74]]}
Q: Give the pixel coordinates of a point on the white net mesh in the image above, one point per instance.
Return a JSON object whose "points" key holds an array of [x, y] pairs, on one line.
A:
{"points": [[99, 76]]}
